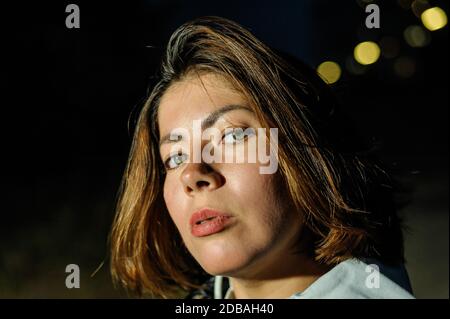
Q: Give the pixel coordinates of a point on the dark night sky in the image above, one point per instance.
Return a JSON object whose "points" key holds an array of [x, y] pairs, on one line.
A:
{"points": [[70, 92]]}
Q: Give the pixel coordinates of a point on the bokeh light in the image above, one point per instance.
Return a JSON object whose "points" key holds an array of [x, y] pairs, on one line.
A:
{"points": [[434, 18], [330, 71], [416, 36], [419, 6], [367, 52]]}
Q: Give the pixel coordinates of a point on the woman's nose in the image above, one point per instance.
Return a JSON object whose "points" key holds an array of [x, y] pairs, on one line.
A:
{"points": [[197, 177]]}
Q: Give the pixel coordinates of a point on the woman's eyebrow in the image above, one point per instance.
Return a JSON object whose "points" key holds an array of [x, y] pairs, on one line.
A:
{"points": [[209, 121]]}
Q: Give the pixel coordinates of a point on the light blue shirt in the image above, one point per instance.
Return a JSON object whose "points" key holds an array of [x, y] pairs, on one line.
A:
{"points": [[350, 279]]}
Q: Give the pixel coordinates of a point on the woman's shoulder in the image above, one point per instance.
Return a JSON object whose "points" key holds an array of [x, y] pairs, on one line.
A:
{"points": [[358, 278], [350, 279]]}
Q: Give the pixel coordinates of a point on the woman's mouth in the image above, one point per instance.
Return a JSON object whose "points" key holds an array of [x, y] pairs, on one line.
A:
{"points": [[207, 222]]}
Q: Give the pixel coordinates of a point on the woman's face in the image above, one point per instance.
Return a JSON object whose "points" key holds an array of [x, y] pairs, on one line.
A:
{"points": [[258, 226]]}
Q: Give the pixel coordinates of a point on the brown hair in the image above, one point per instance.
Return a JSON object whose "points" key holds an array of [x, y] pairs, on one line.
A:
{"points": [[345, 196]]}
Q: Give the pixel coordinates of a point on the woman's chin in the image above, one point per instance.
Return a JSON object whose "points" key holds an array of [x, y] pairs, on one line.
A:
{"points": [[222, 264]]}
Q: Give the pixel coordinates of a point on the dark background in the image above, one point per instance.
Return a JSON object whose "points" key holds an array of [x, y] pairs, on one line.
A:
{"points": [[69, 94]]}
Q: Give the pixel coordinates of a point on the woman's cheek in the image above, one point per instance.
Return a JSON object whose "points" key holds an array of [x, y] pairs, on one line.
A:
{"points": [[170, 199], [247, 181]]}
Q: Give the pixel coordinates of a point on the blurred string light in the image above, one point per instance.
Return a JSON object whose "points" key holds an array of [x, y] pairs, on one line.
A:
{"points": [[405, 67], [434, 18], [419, 6], [366, 52], [330, 71], [416, 36]]}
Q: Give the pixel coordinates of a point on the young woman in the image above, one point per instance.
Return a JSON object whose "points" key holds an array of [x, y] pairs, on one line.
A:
{"points": [[315, 219]]}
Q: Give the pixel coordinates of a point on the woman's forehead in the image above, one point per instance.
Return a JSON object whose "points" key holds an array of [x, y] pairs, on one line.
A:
{"points": [[193, 98]]}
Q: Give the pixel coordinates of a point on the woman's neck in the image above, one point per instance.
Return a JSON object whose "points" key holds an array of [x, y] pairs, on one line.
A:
{"points": [[287, 276]]}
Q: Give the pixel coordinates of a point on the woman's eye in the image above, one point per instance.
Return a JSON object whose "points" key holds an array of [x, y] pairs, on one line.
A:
{"points": [[175, 160], [237, 135]]}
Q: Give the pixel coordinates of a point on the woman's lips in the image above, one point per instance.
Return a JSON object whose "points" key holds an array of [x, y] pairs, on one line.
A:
{"points": [[207, 222]]}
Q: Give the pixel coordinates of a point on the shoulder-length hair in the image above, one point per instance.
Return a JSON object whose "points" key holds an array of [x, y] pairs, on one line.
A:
{"points": [[331, 178]]}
